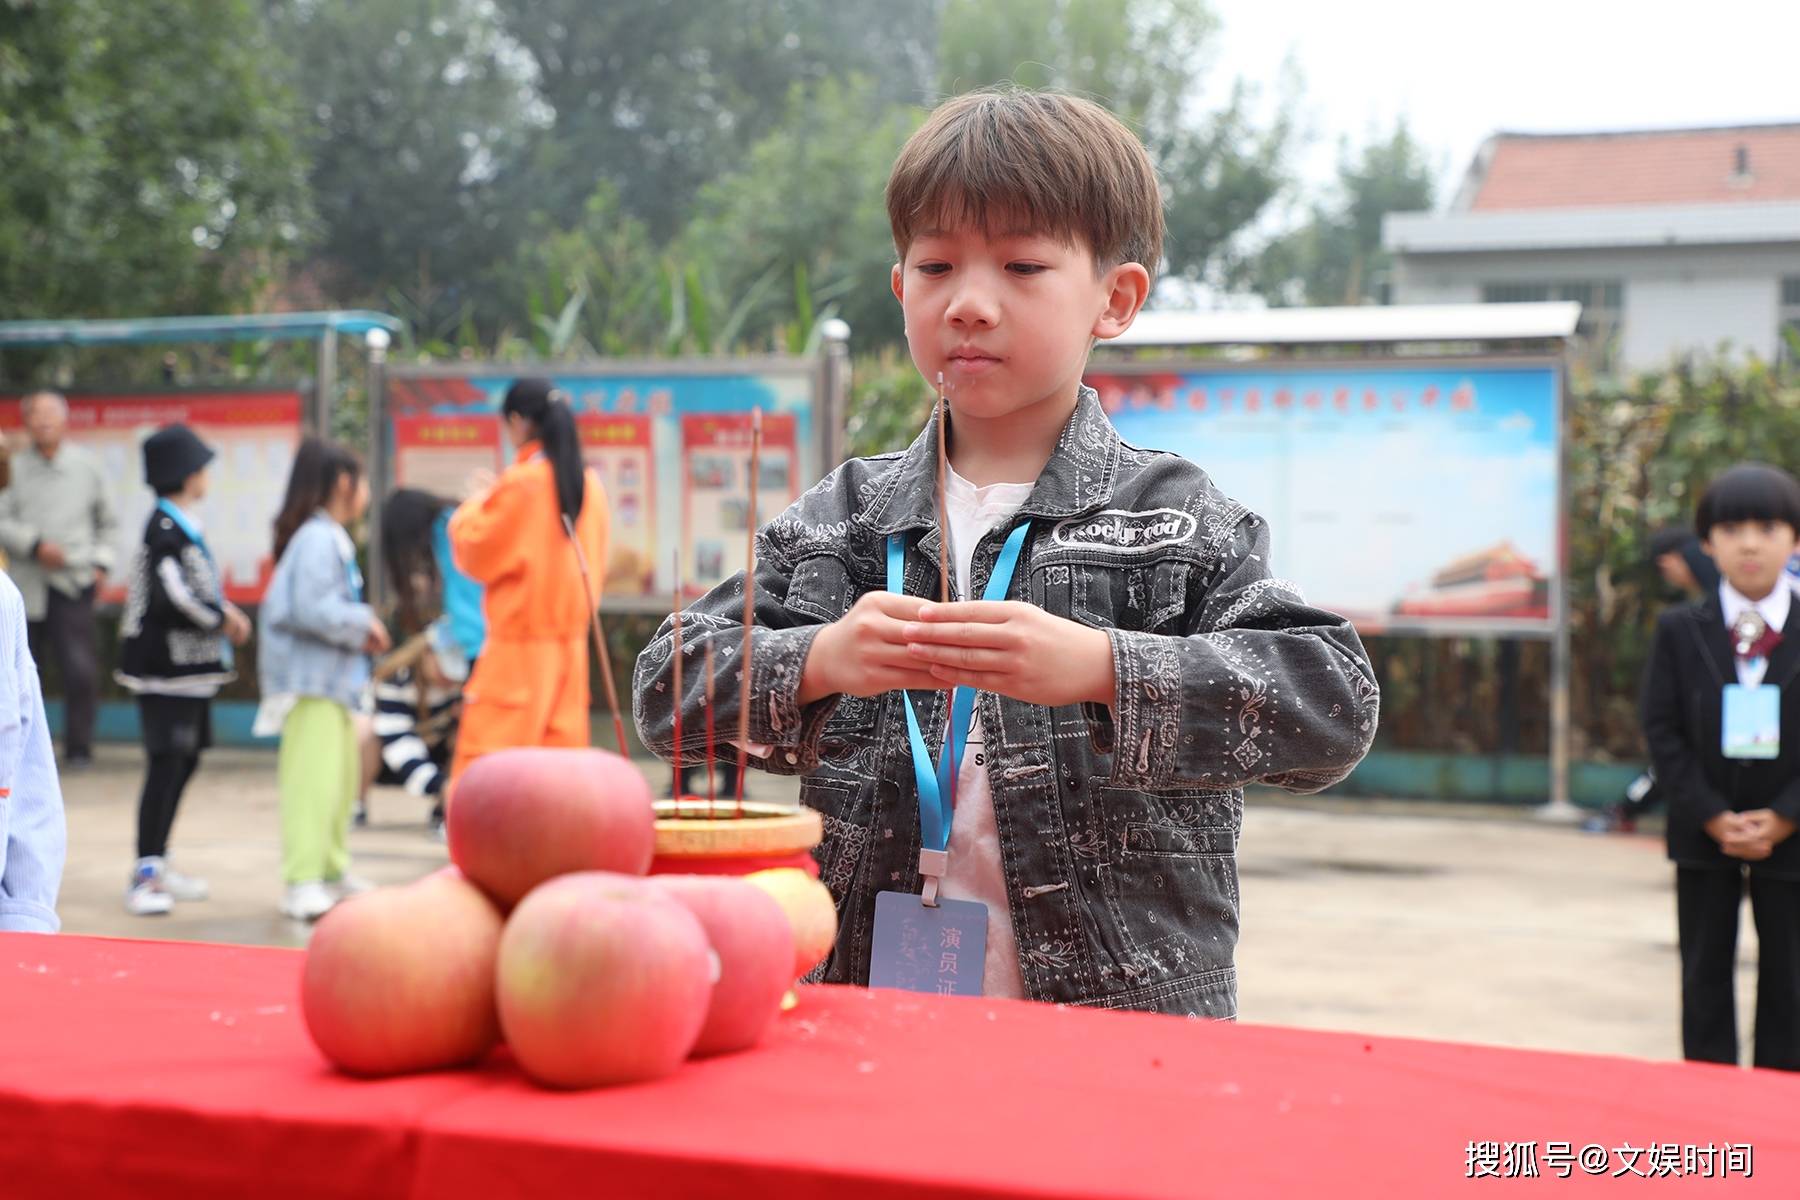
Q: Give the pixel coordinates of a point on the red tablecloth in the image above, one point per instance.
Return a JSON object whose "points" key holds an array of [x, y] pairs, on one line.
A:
{"points": [[146, 1069]]}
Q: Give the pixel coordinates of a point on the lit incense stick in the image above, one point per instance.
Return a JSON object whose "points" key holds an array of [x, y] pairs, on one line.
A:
{"points": [[749, 608], [679, 697], [712, 796], [943, 516]]}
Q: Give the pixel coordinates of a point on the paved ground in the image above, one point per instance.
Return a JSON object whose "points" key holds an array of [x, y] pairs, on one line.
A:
{"points": [[1428, 921]]}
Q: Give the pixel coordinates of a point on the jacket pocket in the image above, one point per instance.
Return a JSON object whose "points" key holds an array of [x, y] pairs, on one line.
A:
{"points": [[1136, 596], [846, 830], [1168, 879], [822, 588]]}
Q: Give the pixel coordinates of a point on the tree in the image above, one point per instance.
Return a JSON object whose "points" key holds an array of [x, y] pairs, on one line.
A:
{"points": [[806, 212], [658, 99], [1146, 61], [416, 109], [149, 160], [1336, 256]]}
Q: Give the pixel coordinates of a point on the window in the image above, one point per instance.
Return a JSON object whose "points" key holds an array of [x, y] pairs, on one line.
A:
{"points": [[1602, 308]]}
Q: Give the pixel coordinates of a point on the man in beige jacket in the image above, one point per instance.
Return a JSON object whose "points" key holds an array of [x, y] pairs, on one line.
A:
{"points": [[58, 529]]}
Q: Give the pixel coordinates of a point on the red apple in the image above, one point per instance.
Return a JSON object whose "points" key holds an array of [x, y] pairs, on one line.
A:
{"points": [[755, 944], [810, 911], [402, 978], [602, 979], [519, 817]]}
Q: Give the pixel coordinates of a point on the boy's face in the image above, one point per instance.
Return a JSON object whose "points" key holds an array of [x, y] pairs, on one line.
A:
{"points": [[196, 484], [1752, 555], [1008, 317]]}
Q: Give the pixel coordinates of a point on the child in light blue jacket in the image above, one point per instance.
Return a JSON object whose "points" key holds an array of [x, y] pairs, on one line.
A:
{"points": [[32, 836], [316, 637]]}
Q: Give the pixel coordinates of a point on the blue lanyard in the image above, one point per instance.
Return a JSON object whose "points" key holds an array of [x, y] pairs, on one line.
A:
{"points": [[174, 513], [934, 821], [169, 510]]}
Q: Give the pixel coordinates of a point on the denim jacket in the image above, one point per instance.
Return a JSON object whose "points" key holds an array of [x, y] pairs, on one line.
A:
{"points": [[1118, 825], [313, 623]]}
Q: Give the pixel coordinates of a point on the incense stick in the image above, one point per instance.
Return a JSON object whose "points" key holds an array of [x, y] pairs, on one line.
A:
{"points": [[943, 513], [712, 796], [749, 608], [680, 698], [943, 516], [606, 675]]}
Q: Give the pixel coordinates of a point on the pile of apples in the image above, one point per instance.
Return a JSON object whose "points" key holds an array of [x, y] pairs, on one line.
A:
{"points": [[545, 932]]}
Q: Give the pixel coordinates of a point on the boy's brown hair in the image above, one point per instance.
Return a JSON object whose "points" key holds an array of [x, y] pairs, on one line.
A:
{"points": [[1042, 161]]}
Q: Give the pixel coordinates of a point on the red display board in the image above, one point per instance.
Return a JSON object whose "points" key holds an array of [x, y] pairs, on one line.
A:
{"points": [[441, 454], [153, 1069], [618, 449], [254, 433], [715, 462]]}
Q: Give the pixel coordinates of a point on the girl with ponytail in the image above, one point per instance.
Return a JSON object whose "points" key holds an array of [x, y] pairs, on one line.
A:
{"points": [[530, 686]]}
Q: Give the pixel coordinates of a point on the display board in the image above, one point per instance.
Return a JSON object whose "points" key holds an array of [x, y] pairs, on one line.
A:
{"points": [[1409, 497], [670, 442], [255, 434]]}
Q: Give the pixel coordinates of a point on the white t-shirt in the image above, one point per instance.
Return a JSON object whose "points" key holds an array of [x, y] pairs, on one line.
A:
{"points": [[974, 871]]}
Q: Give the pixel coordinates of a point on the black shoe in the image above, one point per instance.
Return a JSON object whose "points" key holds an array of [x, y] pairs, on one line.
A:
{"points": [[77, 762], [361, 819]]}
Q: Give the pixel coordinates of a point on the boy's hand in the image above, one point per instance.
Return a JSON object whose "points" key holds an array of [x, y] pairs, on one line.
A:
{"points": [[1014, 649], [863, 652]]}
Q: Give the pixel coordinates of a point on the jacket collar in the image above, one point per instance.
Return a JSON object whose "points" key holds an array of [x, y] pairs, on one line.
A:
{"points": [[1784, 660], [527, 452], [1078, 478]]}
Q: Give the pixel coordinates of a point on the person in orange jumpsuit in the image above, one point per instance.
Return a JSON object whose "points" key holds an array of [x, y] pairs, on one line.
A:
{"points": [[530, 685]]}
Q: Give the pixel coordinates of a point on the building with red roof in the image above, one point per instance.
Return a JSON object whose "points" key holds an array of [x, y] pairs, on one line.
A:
{"points": [[1673, 240]]}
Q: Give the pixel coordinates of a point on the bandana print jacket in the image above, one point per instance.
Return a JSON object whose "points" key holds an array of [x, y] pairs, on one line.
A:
{"points": [[1118, 825]]}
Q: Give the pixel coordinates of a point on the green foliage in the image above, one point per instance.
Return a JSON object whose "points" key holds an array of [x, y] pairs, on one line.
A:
{"points": [[808, 204], [660, 99], [1146, 60], [149, 164], [416, 111], [1335, 257], [889, 401]]}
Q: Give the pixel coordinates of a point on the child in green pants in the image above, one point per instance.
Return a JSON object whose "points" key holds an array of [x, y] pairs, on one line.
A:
{"points": [[316, 635]]}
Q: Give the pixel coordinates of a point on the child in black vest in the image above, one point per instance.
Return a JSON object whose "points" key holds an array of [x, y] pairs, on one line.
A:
{"points": [[175, 653], [1722, 716]]}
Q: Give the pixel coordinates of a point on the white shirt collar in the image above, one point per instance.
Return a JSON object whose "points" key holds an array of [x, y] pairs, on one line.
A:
{"points": [[1773, 607]]}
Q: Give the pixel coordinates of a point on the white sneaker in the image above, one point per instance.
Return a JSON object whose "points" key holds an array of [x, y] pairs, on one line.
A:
{"points": [[146, 899], [184, 887], [307, 901], [348, 885]]}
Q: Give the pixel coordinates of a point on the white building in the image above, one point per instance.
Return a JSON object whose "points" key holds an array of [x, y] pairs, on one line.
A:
{"points": [[1673, 241]]}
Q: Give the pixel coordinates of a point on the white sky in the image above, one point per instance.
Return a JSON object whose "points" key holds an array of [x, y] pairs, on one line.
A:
{"points": [[1459, 71]]}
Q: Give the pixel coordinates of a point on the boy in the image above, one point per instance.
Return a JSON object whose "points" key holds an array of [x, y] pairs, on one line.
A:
{"points": [[1724, 733], [1135, 663], [173, 655]]}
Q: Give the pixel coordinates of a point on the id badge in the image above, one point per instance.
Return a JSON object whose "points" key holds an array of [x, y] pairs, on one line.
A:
{"points": [[918, 948], [1752, 724]]}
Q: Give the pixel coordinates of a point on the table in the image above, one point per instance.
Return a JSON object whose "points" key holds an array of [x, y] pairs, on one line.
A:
{"points": [[144, 1069]]}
